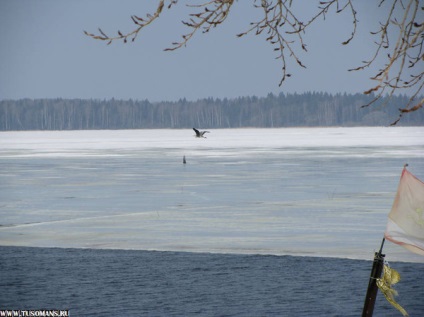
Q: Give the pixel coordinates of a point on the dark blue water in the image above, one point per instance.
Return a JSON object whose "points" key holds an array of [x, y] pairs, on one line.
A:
{"points": [[144, 283]]}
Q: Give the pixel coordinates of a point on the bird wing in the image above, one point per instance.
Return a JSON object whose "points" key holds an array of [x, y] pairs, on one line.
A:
{"points": [[197, 131]]}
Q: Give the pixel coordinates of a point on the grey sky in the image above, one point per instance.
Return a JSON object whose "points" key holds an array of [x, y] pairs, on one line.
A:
{"points": [[44, 53]]}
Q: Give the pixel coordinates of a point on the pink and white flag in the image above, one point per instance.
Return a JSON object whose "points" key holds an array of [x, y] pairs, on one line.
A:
{"points": [[405, 225]]}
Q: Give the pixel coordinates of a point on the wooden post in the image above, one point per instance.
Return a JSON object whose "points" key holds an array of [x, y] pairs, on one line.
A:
{"points": [[372, 291]]}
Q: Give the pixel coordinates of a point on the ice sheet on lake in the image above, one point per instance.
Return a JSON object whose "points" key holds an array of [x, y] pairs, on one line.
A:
{"points": [[64, 142], [311, 191]]}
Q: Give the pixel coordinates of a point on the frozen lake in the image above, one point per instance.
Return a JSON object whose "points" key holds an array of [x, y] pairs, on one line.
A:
{"points": [[295, 191]]}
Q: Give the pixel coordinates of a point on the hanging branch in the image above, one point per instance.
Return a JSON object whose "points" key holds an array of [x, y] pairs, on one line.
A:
{"points": [[140, 22], [284, 31], [205, 20], [407, 54], [280, 24]]}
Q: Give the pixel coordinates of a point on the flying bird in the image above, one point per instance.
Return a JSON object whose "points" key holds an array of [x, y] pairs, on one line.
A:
{"points": [[200, 134]]}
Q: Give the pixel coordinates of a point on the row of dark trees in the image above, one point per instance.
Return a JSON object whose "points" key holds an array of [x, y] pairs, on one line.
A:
{"points": [[284, 110]]}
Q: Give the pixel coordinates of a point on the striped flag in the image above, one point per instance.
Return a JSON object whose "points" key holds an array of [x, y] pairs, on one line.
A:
{"points": [[405, 225]]}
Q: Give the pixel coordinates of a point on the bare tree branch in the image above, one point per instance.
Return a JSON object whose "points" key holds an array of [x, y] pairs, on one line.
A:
{"points": [[204, 20], [408, 50], [284, 30], [140, 22]]}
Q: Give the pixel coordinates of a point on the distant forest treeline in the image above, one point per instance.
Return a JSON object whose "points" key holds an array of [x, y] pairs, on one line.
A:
{"points": [[284, 110]]}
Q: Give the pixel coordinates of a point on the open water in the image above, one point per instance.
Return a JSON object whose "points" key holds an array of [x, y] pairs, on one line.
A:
{"points": [[92, 282], [272, 222]]}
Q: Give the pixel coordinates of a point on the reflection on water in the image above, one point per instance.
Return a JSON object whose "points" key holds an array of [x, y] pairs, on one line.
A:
{"points": [[267, 191]]}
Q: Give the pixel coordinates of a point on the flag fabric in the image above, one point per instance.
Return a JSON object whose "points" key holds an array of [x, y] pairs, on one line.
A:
{"points": [[405, 225], [385, 284]]}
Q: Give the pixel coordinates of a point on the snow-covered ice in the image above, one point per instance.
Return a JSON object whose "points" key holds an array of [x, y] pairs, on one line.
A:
{"points": [[303, 191]]}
